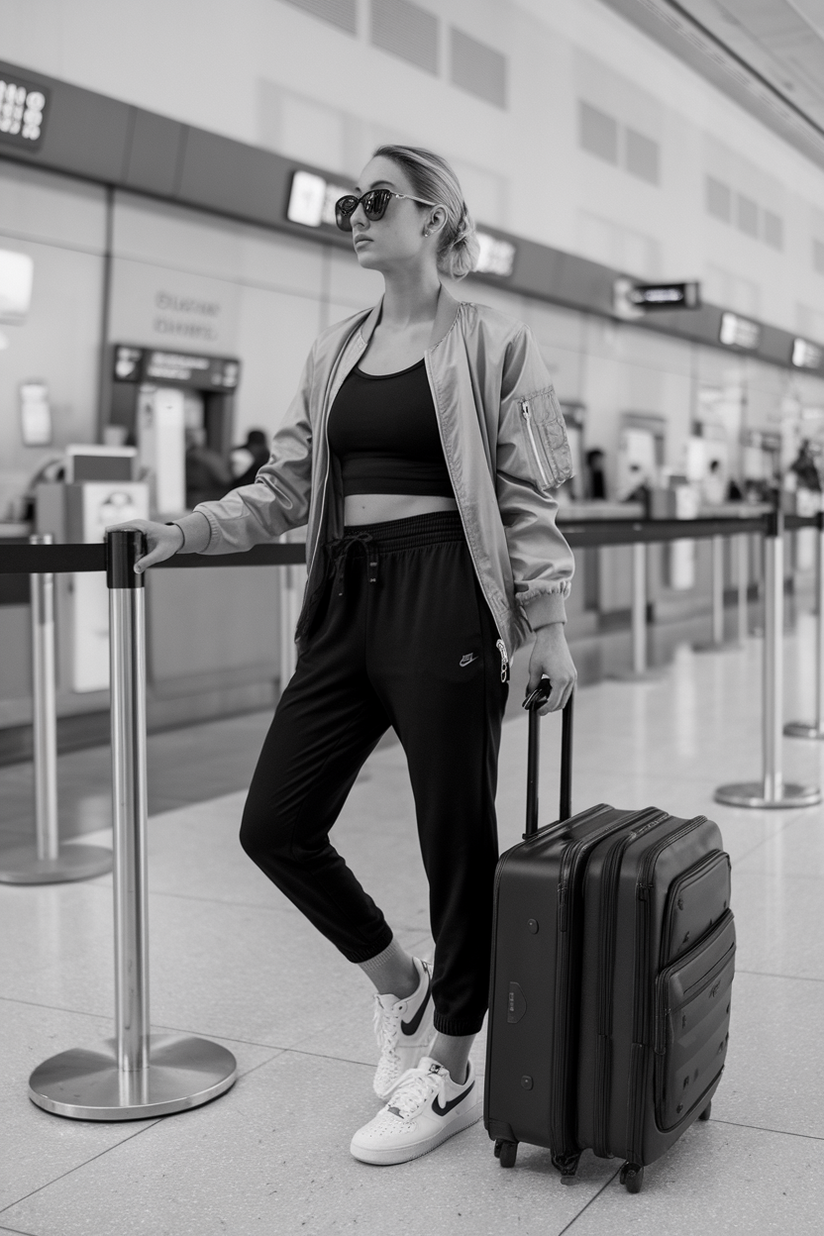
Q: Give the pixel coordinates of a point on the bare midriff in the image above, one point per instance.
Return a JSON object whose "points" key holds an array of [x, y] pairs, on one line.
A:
{"points": [[379, 508]]}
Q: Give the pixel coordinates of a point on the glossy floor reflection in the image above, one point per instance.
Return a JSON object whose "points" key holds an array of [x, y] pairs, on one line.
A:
{"points": [[232, 961]]}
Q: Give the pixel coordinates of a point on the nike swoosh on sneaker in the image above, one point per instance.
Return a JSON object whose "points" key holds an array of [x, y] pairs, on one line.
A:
{"points": [[447, 1107], [411, 1027]]}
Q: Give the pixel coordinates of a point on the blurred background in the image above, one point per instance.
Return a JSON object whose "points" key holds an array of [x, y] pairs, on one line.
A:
{"points": [[648, 181]]}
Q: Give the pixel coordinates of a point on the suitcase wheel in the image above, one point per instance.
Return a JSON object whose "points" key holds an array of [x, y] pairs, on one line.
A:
{"points": [[707, 1112], [507, 1152], [632, 1177]]}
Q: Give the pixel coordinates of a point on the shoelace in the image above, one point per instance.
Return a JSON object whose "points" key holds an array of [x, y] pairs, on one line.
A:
{"points": [[387, 1025], [413, 1090]]}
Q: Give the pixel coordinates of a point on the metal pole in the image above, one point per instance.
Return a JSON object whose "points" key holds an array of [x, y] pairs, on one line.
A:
{"points": [[743, 543], [47, 862], [718, 591], [772, 790], [815, 729], [639, 608], [138, 1075]]}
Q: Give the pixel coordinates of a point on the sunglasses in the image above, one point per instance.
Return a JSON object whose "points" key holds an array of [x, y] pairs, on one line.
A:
{"points": [[374, 205]]}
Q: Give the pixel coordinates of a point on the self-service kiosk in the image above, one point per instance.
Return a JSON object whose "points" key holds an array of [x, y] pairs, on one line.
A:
{"points": [[157, 395], [99, 488]]}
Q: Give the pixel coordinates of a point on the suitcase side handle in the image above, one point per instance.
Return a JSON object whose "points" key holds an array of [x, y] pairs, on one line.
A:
{"points": [[535, 700]]}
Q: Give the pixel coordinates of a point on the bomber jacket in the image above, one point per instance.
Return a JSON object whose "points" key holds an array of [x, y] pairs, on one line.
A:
{"points": [[503, 438]]}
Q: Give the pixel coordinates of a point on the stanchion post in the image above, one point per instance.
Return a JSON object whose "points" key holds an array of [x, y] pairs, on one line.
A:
{"points": [[639, 608], [772, 790], [815, 728], [718, 591], [138, 1075], [743, 544], [46, 861]]}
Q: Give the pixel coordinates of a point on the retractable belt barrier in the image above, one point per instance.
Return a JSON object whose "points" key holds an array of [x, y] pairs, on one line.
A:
{"points": [[137, 1074]]}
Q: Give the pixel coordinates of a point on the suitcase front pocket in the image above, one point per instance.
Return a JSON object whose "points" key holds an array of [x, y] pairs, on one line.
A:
{"points": [[692, 1023], [696, 902]]}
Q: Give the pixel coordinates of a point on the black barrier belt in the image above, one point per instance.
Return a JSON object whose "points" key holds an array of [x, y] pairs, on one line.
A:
{"points": [[580, 534], [595, 532], [59, 559]]}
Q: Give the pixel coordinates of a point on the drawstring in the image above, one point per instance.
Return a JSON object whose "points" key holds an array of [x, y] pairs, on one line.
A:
{"points": [[339, 554]]}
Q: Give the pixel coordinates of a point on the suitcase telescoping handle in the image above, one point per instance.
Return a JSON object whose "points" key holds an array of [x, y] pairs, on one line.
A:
{"points": [[535, 700]]}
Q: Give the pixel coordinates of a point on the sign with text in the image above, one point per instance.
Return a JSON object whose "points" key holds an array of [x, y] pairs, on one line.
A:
{"points": [[634, 300], [172, 368], [23, 109], [806, 355], [738, 332]]}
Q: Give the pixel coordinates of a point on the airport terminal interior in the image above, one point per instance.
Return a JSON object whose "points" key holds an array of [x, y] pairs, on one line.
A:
{"points": [[647, 182]]}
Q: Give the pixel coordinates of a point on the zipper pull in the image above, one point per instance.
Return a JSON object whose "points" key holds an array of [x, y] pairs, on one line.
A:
{"points": [[525, 410], [501, 646]]}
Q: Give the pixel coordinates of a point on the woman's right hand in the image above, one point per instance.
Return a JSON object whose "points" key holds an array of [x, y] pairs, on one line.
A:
{"points": [[163, 540]]}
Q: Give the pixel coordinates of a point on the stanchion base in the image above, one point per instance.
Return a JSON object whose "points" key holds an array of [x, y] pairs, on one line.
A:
{"points": [[21, 865], [803, 729], [183, 1072], [751, 794]]}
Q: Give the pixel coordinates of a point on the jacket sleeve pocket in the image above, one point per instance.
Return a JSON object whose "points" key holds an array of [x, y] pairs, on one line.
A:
{"points": [[546, 439]]}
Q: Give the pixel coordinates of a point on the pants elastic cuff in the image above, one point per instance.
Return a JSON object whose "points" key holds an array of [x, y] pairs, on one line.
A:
{"points": [[368, 951], [458, 1027]]}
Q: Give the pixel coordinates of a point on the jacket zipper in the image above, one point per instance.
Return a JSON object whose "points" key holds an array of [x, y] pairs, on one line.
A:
{"points": [[526, 413], [641, 1018], [501, 646], [605, 987]]}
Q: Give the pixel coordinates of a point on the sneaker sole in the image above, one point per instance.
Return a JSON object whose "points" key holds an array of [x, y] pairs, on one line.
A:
{"points": [[404, 1154]]}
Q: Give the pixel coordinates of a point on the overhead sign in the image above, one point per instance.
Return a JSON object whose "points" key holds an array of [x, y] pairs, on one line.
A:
{"points": [[133, 364], [312, 200], [738, 332], [806, 355], [23, 110], [633, 300], [497, 256]]}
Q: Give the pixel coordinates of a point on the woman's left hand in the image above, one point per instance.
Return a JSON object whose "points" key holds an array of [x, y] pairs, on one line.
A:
{"points": [[551, 659]]}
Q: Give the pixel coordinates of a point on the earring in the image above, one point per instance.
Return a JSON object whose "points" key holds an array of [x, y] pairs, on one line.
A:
{"points": [[426, 231]]}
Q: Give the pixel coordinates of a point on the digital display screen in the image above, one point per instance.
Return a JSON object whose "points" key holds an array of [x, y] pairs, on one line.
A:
{"points": [[312, 200], [807, 355], [666, 295], [23, 107], [133, 364], [497, 257], [739, 332]]}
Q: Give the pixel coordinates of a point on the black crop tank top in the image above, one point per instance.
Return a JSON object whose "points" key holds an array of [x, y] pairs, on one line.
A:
{"points": [[383, 429]]}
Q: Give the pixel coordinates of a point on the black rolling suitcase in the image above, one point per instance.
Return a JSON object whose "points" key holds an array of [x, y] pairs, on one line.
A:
{"points": [[612, 964]]}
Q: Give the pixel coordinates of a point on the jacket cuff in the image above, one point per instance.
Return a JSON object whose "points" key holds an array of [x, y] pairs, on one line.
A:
{"points": [[545, 608], [197, 533]]}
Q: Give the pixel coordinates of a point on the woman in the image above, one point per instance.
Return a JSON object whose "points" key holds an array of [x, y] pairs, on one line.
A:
{"points": [[421, 450]]}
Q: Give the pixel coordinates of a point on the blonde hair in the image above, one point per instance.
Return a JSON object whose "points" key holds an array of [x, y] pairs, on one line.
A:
{"points": [[432, 178]]}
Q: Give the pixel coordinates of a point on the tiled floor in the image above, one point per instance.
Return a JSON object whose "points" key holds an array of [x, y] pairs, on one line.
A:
{"points": [[232, 961]]}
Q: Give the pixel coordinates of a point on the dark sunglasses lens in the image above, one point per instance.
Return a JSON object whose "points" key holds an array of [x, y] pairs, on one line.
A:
{"points": [[375, 203], [345, 207]]}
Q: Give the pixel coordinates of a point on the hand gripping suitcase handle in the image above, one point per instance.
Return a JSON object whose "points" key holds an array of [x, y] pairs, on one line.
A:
{"points": [[535, 700]]}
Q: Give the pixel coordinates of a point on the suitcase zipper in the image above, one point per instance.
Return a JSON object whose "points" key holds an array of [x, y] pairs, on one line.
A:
{"points": [[641, 1029], [606, 934]]}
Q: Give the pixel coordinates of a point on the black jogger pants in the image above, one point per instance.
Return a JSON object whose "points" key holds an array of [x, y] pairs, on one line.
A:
{"points": [[402, 637]]}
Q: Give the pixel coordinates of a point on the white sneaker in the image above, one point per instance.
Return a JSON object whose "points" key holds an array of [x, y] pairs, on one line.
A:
{"points": [[427, 1107], [404, 1030]]}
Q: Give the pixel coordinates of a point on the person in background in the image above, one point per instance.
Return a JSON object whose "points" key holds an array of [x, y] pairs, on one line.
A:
{"points": [[248, 459], [423, 450], [208, 476], [714, 487], [806, 469], [597, 487]]}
